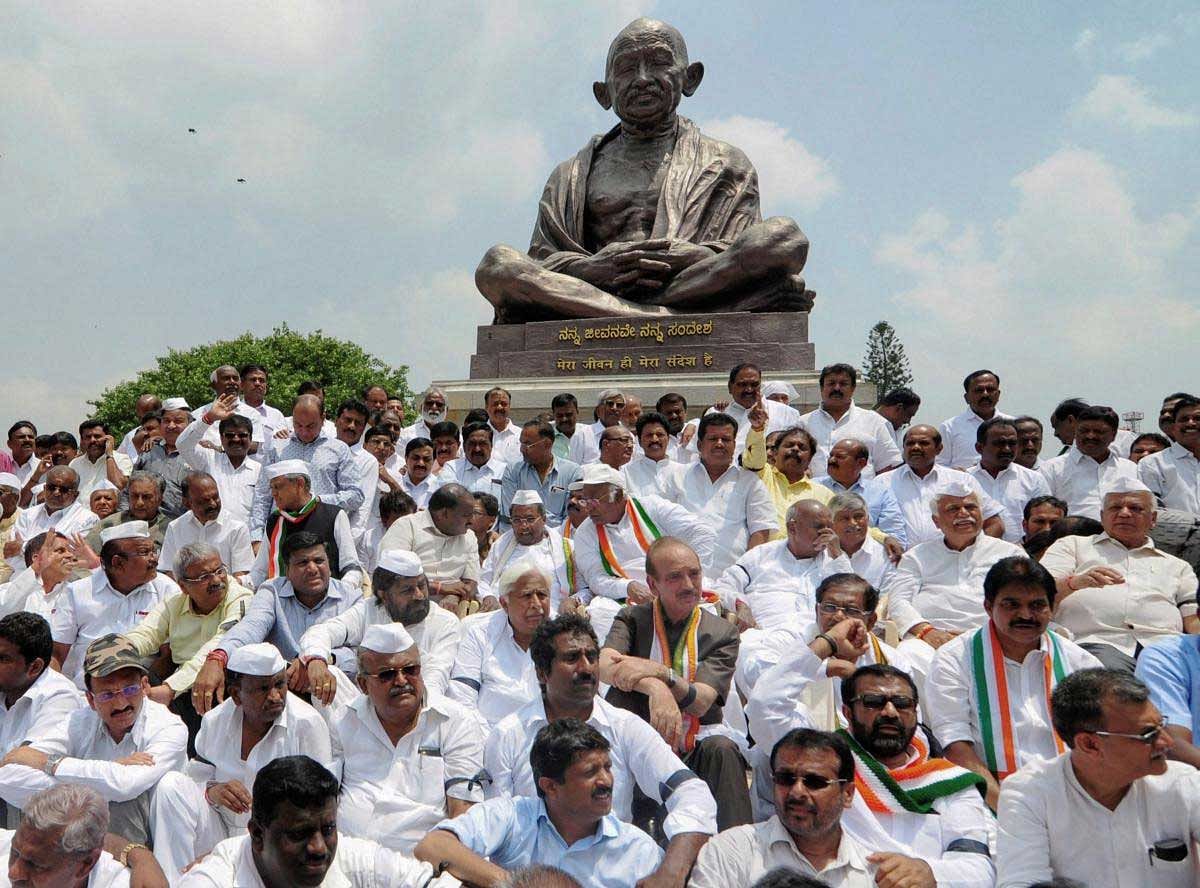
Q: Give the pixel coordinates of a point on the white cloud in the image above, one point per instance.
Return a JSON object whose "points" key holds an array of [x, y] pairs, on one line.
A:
{"points": [[1124, 102], [1084, 43], [1144, 47], [789, 174]]}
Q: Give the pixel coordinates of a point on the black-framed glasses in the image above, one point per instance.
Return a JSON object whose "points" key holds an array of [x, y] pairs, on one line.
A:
{"points": [[60, 488], [851, 612], [1148, 736], [787, 780], [902, 702], [387, 676], [220, 573], [127, 691]]}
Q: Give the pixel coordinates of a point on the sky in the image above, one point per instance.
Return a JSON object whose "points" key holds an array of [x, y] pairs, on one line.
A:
{"points": [[1011, 186]]}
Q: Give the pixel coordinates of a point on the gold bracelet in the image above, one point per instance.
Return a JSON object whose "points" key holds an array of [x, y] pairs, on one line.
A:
{"points": [[123, 857]]}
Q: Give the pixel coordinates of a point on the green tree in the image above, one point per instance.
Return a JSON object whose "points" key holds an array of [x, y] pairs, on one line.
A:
{"points": [[886, 365], [290, 358]]}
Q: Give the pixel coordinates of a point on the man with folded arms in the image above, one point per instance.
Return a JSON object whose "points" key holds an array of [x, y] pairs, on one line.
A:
{"points": [[442, 538]]}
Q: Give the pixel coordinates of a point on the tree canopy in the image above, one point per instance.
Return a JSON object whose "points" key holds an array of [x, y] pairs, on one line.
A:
{"points": [[291, 358], [886, 364]]}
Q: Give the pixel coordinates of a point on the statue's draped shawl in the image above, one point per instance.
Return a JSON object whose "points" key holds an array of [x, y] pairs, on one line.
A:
{"points": [[709, 197]]}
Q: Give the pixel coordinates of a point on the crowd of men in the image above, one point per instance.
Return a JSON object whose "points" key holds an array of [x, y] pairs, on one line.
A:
{"points": [[750, 647]]}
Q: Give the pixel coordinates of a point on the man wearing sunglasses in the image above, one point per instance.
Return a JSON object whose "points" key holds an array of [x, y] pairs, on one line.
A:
{"points": [[412, 756], [60, 511], [121, 746], [529, 539], [1113, 810]]}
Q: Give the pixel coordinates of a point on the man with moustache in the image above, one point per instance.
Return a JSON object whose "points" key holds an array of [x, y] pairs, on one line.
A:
{"points": [[431, 409], [21, 437], [845, 464], [144, 495], [412, 756], [1089, 464], [745, 390], [1029, 442], [674, 407], [898, 407], [529, 539], [995, 724], [651, 470], [254, 395], [258, 722], [786, 476], [100, 459], [235, 472], [868, 558], [1173, 475], [838, 416], [206, 522], [51, 563], [1009, 484], [506, 437], [61, 511], [572, 441], [419, 480], [566, 656], [617, 446], [226, 383], [981, 391], [442, 538], [1039, 514], [164, 457], [479, 469], [540, 470]]}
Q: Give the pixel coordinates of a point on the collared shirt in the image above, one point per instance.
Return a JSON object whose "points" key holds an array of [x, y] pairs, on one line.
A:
{"points": [[670, 519], [871, 562], [580, 448], [959, 436], [1051, 827], [443, 557], [227, 535], [299, 730], [779, 417], [172, 468], [92, 473], [75, 518], [50, 699], [1174, 476], [550, 555], [336, 477], [419, 429], [107, 873], [396, 794], [640, 758], [272, 420], [507, 444], [866, 426], [347, 556], [436, 638], [1170, 667], [644, 476], [783, 492], [520, 475], [24, 472], [492, 674], [951, 701], [515, 833], [477, 479], [915, 495], [1158, 592], [940, 585], [882, 509], [235, 484], [358, 863], [1077, 479], [1012, 489], [91, 608], [420, 493], [366, 515], [740, 855], [191, 635], [25, 592], [776, 584], [736, 505], [277, 616]]}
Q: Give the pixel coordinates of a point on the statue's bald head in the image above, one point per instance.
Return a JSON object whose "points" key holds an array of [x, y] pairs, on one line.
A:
{"points": [[646, 74], [641, 30]]}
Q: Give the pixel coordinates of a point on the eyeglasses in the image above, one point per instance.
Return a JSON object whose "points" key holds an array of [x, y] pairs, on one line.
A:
{"points": [[851, 612], [387, 676], [523, 521], [902, 702], [106, 696], [614, 405], [787, 780], [219, 573], [1148, 736], [60, 488]]}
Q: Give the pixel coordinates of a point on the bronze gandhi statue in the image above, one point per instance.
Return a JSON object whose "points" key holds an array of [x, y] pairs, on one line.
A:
{"points": [[652, 218]]}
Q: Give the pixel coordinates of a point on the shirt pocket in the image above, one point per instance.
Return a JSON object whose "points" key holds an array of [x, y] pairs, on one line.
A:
{"points": [[431, 777]]}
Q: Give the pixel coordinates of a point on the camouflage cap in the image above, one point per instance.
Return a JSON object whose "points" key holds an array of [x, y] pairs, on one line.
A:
{"points": [[109, 654]]}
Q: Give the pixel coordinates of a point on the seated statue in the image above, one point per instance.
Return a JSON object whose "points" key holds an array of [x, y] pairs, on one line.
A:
{"points": [[653, 218]]}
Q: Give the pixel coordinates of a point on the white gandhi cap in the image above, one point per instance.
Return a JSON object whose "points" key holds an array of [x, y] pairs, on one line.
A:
{"points": [[386, 638], [257, 659]]}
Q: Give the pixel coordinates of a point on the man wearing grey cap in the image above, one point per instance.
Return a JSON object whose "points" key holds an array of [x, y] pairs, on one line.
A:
{"points": [[121, 746]]}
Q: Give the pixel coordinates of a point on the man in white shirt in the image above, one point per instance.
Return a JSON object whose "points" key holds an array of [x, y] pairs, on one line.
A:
{"points": [[617, 446], [492, 674], [1113, 811], [479, 469], [839, 417], [674, 407], [981, 391], [442, 538], [898, 407], [351, 425], [994, 723], [431, 409], [851, 523], [1077, 476], [1117, 591], [529, 539], [121, 746], [254, 394], [813, 776], [571, 440], [412, 756], [1009, 484], [650, 471], [60, 511], [100, 459], [915, 483], [745, 388], [419, 480], [293, 840], [10, 498], [22, 436], [205, 522], [1029, 442], [235, 472], [38, 588], [226, 383], [1173, 475], [258, 722], [610, 406], [506, 436], [730, 499], [113, 599]]}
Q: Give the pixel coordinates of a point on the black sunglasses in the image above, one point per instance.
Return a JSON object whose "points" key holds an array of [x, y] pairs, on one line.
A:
{"points": [[902, 702], [811, 781], [389, 675]]}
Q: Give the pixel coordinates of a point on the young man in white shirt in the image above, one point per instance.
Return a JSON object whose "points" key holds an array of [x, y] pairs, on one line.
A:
{"points": [[1077, 476], [839, 417], [571, 440], [650, 471], [981, 391], [506, 435], [1009, 484], [480, 469], [205, 522], [235, 472], [1173, 475], [100, 459], [745, 389]]}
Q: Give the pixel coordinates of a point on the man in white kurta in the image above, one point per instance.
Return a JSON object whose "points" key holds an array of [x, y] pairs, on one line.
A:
{"points": [[529, 539], [839, 417], [1089, 465], [981, 391], [1009, 484], [205, 521]]}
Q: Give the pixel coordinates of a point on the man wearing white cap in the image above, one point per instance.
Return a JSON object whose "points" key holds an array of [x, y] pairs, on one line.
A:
{"points": [[61, 511], [258, 722], [442, 538], [297, 509], [493, 674], [104, 499], [10, 511], [778, 390], [610, 549], [164, 458], [399, 595], [114, 598], [1116, 591], [530, 539], [412, 756], [936, 592]]}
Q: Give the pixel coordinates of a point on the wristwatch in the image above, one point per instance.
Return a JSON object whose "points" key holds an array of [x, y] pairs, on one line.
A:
{"points": [[672, 678], [52, 763]]}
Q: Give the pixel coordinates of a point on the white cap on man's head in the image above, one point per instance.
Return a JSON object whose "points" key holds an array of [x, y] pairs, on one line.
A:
{"points": [[386, 638], [288, 467], [956, 487], [527, 498], [130, 530], [176, 404], [1124, 485], [599, 473], [779, 387], [102, 484], [401, 562], [8, 479], [257, 659]]}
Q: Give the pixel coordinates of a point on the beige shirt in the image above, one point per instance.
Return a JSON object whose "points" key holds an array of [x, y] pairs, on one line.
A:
{"points": [[1158, 592], [444, 557]]}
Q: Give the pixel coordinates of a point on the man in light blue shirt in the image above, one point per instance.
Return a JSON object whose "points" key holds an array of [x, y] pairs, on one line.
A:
{"points": [[1171, 669], [848, 457], [540, 470], [569, 824]]}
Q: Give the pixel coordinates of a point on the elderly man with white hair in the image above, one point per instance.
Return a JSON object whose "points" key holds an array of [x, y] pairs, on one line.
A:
{"points": [[493, 674], [529, 538], [1116, 590], [851, 522], [937, 590], [400, 596], [412, 756], [431, 409], [259, 721]]}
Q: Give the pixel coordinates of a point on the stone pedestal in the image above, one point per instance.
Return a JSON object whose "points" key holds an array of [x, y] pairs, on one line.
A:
{"points": [[690, 354]]}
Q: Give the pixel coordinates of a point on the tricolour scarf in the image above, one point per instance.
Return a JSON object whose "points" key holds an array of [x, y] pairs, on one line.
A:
{"points": [[286, 524], [913, 787]]}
